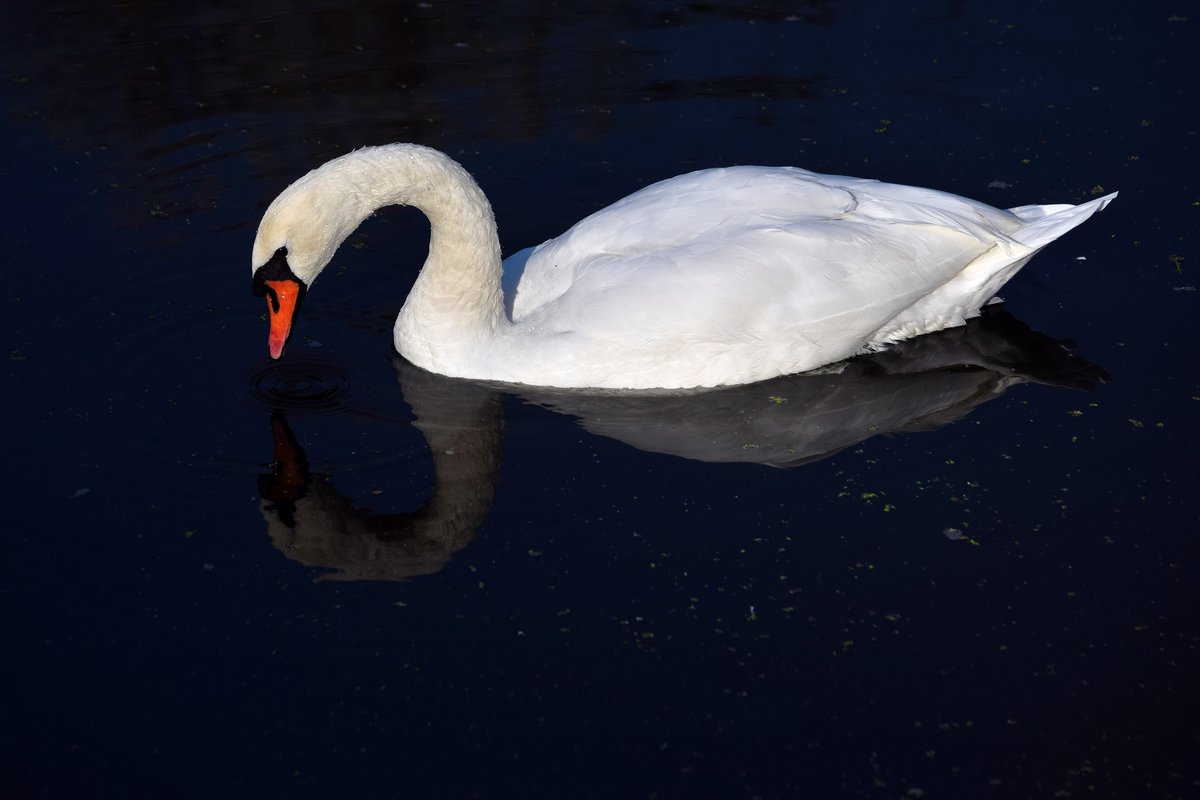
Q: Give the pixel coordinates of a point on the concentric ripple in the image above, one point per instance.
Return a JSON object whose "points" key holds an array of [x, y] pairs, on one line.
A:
{"points": [[305, 384]]}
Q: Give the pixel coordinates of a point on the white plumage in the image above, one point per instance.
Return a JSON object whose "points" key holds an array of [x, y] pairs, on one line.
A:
{"points": [[717, 277]]}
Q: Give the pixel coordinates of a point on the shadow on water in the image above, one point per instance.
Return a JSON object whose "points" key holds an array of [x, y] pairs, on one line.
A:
{"points": [[918, 385]]}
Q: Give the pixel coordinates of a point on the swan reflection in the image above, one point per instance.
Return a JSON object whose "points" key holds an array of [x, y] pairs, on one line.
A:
{"points": [[917, 385], [311, 522]]}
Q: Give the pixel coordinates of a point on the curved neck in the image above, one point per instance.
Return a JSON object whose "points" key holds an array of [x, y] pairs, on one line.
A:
{"points": [[456, 300]]}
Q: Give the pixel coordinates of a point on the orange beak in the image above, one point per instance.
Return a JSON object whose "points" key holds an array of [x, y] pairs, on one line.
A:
{"points": [[283, 297], [289, 468]]}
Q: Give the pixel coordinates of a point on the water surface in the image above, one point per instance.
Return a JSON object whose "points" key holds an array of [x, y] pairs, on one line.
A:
{"points": [[963, 568]]}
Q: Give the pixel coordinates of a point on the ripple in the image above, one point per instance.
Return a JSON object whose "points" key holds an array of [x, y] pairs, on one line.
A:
{"points": [[304, 384], [188, 395]]}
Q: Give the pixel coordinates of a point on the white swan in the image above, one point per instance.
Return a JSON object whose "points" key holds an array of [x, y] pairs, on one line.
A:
{"points": [[717, 277]]}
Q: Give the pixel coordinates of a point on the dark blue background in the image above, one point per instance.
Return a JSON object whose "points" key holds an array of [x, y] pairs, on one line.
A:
{"points": [[624, 623]]}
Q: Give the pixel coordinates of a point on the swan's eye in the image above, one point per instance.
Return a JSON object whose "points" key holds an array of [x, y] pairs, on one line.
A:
{"points": [[276, 269]]}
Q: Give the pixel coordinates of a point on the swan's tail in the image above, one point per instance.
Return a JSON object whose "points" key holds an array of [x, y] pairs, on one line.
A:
{"points": [[1044, 224], [961, 297]]}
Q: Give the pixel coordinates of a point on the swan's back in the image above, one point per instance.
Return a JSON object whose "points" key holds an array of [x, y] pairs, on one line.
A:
{"points": [[703, 211], [730, 275]]}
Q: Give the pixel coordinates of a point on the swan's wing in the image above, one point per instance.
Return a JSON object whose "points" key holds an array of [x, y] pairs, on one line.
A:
{"points": [[704, 273], [749, 251], [790, 296], [724, 205], [670, 216]]}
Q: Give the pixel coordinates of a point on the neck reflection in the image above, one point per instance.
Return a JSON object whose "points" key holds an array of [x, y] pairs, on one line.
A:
{"points": [[918, 385]]}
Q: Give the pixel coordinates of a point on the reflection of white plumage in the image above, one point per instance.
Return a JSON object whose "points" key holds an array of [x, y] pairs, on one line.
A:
{"points": [[918, 385], [717, 277]]}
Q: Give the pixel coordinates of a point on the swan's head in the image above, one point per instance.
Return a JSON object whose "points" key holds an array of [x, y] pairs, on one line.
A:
{"points": [[297, 237]]}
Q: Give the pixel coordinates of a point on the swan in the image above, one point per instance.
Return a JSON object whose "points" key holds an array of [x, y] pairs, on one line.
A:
{"points": [[917, 385], [714, 278]]}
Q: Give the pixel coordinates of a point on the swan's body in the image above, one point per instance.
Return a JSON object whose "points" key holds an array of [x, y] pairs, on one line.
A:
{"points": [[717, 277]]}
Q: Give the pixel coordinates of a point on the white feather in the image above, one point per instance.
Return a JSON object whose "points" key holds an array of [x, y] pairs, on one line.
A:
{"points": [[717, 277]]}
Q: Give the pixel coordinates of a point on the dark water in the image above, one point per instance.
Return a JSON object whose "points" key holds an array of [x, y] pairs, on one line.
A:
{"points": [[963, 568]]}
